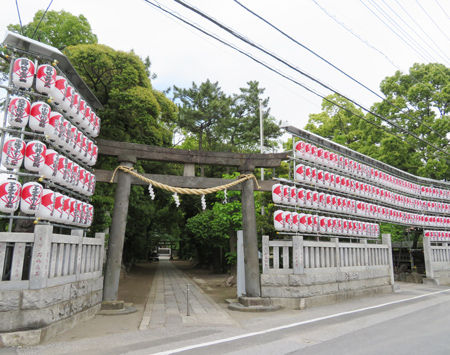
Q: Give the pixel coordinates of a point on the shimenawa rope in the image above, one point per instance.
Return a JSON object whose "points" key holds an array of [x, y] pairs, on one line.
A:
{"points": [[182, 190]]}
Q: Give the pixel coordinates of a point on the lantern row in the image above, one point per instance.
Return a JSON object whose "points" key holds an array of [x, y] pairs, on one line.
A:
{"points": [[437, 236], [300, 197], [320, 156], [44, 204], [49, 164], [323, 178], [62, 94], [287, 221], [40, 118]]}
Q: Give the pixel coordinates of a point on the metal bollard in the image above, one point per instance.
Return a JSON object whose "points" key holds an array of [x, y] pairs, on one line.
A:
{"points": [[187, 300]]}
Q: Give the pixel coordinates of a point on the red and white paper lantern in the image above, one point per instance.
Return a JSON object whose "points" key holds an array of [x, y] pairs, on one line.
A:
{"points": [[39, 116], [45, 79], [278, 221], [30, 197], [13, 153], [9, 196], [23, 73], [18, 112], [35, 155], [50, 167], [47, 206]]}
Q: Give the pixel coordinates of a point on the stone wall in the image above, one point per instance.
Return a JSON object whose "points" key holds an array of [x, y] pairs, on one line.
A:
{"points": [[323, 272], [32, 309]]}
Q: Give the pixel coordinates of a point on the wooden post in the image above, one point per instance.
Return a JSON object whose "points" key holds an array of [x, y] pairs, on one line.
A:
{"points": [[117, 236]]}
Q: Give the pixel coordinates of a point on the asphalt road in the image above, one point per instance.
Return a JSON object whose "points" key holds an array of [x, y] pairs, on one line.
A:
{"points": [[414, 320], [414, 327]]}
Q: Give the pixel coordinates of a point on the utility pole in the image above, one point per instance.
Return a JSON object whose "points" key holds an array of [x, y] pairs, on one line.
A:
{"points": [[261, 138]]}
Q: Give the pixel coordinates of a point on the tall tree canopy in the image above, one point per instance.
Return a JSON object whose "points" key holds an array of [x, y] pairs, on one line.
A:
{"points": [[416, 101], [58, 29], [226, 122]]}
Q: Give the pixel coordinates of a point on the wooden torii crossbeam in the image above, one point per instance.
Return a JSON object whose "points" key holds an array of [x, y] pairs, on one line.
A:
{"points": [[128, 153]]}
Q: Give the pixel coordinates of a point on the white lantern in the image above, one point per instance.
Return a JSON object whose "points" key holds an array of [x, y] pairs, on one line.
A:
{"points": [[302, 222], [292, 197], [47, 206], [74, 106], [65, 216], [301, 196], [61, 174], [58, 92], [287, 217], [18, 112], [294, 224], [9, 196], [299, 172], [13, 153], [45, 79], [68, 97], [50, 167], [278, 221], [30, 197], [52, 129], [35, 155], [39, 116], [58, 207], [277, 193], [23, 73]]}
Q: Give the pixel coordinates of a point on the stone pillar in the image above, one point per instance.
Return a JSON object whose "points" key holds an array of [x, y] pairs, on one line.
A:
{"points": [[40, 259], [386, 238], [117, 236], [189, 170], [428, 256], [252, 277]]}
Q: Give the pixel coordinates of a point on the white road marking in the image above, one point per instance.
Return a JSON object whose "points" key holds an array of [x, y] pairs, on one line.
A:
{"points": [[270, 330]]}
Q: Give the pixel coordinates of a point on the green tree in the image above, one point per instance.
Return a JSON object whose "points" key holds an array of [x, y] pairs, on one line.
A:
{"points": [[202, 107], [419, 100], [58, 29], [242, 130]]}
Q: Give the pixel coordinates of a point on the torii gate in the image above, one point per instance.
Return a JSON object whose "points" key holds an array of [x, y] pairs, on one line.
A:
{"points": [[127, 155]]}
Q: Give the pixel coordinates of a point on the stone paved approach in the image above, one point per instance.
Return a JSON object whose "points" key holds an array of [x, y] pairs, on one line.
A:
{"points": [[167, 302]]}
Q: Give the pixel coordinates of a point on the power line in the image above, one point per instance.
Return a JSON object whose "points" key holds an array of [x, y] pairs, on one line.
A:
{"points": [[331, 64], [443, 10], [394, 32], [45, 12], [20, 20], [439, 51], [254, 45], [158, 6], [432, 20], [349, 30]]}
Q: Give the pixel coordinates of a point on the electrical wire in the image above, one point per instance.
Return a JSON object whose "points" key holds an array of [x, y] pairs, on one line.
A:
{"points": [[254, 45], [45, 12], [394, 32], [20, 20], [439, 52], [331, 64], [159, 7], [349, 30], [432, 20], [443, 10]]}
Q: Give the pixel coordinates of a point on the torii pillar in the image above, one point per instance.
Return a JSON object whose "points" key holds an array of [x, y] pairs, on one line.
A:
{"points": [[251, 261], [117, 234]]}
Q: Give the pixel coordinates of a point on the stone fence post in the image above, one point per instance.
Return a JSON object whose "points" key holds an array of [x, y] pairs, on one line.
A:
{"points": [[428, 257], [40, 258], [386, 238], [297, 254]]}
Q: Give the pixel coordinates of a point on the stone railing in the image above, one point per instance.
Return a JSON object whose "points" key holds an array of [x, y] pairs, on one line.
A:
{"points": [[44, 259], [437, 261], [296, 255], [47, 278], [300, 268]]}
